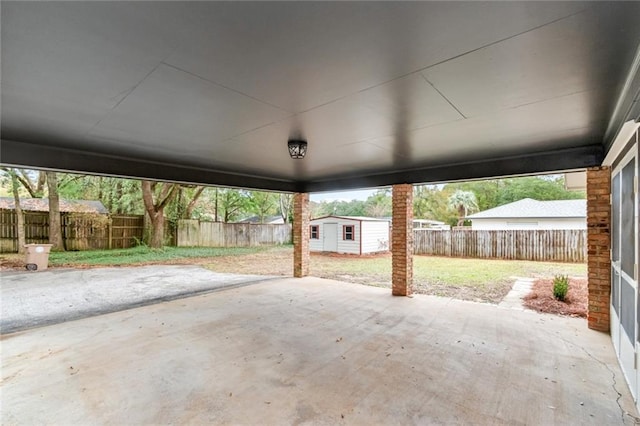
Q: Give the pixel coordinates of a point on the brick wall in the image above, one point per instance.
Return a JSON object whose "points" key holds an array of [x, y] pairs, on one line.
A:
{"points": [[300, 235], [598, 246], [402, 240]]}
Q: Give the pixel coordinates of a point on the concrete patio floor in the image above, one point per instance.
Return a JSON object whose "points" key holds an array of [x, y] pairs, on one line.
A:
{"points": [[313, 351], [34, 299]]}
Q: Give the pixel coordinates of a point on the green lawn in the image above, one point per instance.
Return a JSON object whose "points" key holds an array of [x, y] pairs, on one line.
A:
{"points": [[469, 279], [142, 255], [484, 280]]}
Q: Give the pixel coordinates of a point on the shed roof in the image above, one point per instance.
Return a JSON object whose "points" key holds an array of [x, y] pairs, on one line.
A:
{"points": [[358, 218], [529, 208], [66, 206]]}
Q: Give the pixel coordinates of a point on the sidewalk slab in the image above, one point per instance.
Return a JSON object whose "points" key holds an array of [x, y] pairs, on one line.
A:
{"points": [[513, 299], [33, 299]]}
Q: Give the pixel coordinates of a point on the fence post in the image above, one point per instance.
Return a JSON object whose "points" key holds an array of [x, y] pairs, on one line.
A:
{"points": [[110, 231]]}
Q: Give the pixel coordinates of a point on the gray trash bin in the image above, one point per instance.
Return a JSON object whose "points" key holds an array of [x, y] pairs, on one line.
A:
{"points": [[37, 256]]}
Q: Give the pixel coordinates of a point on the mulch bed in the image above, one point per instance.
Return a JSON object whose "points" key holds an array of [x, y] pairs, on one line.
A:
{"points": [[541, 298]]}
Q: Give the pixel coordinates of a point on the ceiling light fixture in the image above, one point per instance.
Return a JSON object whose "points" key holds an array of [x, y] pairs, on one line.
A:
{"points": [[297, 148]]}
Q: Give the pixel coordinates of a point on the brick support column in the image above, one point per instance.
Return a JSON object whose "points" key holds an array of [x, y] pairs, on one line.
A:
{"points": [[402, 241], [300, 235], [598, 246]]}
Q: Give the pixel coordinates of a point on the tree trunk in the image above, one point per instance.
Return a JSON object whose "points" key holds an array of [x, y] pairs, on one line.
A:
{"points": [[16, 197], [192, 204], [55, 225], [216, 206], [461, 215], [285, 206], [155, 210], [157, 231]]}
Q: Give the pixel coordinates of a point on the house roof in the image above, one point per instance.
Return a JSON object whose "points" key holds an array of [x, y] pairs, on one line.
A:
{"points": [[394, 92], [529, 208], [358, 218], [66, 206], [267, 219]]}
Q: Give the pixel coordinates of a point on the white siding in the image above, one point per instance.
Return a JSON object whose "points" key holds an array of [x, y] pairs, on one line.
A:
{"points": [[528, 223], [344, 246], [375, 236]]}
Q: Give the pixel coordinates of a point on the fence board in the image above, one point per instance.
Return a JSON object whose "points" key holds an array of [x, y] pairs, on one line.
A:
{"points": [[192, 233], [79, 231], [540, 245]]}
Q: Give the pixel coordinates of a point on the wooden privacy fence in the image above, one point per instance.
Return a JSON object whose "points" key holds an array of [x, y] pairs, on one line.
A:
{"points": [[193, 233], [80, 231], [543, 245]]}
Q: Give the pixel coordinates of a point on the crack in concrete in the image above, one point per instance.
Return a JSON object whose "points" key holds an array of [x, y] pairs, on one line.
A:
{"points": [[623, 412]]}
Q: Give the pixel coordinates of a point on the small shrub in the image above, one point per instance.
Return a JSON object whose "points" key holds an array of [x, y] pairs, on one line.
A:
{"points": [[560, 287]]}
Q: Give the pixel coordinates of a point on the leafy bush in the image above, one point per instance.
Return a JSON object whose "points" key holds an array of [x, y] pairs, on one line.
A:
{"points": [[560, 287]]}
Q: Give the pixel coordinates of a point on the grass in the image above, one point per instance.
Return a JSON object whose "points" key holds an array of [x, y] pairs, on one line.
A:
{"points": [[485, 280], [143, 255]]}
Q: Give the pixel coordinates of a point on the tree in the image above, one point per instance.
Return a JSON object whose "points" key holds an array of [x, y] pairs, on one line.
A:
{"points": [[538, 188], [262, 203], [198, 190], [231, 203], [156, 196], [486, 191], [286, 203], [33, 181], [183, 205], [431, 202], [119, 196], [55, 225], [464, 202], [341, 208], [379, 204], [16, 198]]}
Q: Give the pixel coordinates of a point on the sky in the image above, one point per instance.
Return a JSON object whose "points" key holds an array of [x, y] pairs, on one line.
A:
{"points": [[359, 194]]}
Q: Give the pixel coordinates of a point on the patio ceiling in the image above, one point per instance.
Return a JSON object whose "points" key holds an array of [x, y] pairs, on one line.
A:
{"points": [[384, 93]]}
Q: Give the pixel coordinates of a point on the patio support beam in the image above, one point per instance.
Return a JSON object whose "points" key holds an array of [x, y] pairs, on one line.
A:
{"points": [[599, 247], [300, 235], [402, 240]]}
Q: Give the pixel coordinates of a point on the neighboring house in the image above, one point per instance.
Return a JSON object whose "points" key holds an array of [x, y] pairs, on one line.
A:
{"points": [[42, 205], [349, 234], [533, 214], [268, 220]]}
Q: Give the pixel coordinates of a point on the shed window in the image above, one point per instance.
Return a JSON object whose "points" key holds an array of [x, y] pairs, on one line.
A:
{"points": [[347, 232], [315, 232]]}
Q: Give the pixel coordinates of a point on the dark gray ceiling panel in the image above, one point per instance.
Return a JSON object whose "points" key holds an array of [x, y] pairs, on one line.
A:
{"points": [[377, 88], [310, 53], [580, 53], [172, 109]]}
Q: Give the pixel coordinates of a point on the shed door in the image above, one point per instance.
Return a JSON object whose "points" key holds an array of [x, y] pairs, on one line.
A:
{"points": [[624, 285], [330, 239]]}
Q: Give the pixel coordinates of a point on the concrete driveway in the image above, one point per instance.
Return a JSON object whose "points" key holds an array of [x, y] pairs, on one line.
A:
{"points": [[31, 299], [313, 351]]}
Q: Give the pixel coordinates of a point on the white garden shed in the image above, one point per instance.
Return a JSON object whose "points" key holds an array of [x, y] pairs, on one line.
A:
{"points": [[349, 234]]}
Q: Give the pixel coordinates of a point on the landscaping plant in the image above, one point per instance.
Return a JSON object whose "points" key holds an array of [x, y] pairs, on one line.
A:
{"points": [[560, 287]]}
